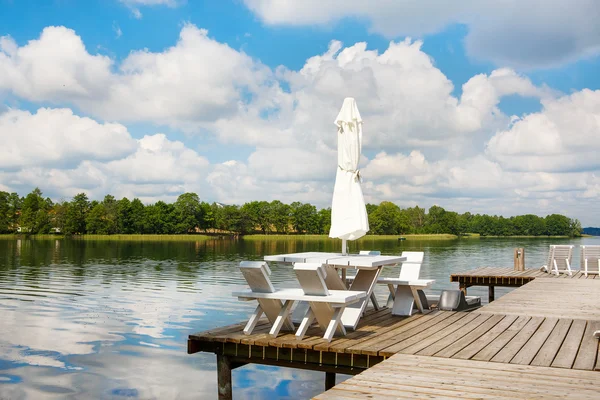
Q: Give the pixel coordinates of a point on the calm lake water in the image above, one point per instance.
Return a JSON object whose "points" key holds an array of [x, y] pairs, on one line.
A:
{"points": [[109, 320]]}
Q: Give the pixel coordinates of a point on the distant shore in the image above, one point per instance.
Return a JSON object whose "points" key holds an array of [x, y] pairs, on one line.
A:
{"points": [[256, 237]]}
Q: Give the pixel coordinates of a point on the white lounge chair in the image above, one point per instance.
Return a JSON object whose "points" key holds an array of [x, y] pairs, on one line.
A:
{"points": [[257, 274], [590, 259], [326, 305], [559, 259]]}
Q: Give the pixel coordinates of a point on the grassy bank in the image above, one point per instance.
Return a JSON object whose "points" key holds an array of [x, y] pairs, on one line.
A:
{"points": [[367, 237], [136, 237], [182, 238]]}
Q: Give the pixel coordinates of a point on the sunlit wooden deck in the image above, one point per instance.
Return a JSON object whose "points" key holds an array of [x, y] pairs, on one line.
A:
{"points": [[417, 377], [508, 277], [547, 323]]}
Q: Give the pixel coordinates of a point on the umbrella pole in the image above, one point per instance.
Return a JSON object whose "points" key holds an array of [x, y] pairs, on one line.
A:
{"points": [[344, 253]]}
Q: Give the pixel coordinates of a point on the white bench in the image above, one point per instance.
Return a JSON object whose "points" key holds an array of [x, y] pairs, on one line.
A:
{"points": [[325, 306]]}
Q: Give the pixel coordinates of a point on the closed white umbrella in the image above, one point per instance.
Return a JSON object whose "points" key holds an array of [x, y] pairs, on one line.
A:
{"points": [[349, 220]]}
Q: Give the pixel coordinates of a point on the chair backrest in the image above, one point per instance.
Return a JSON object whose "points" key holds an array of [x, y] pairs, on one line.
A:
{"points": [[550, 257], [591, 254], [412, 266], [311, 277], [257, 274], [369, 253], [560, 254]]}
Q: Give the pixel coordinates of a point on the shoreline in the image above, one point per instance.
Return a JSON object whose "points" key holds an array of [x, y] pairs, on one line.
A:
{"points": [[257, 237]]}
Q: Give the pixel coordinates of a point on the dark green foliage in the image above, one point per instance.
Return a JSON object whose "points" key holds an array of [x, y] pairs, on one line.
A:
{"points": [[189, 215]]}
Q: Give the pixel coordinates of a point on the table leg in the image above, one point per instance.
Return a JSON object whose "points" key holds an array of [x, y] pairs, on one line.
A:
{"points": [[364, 281]]}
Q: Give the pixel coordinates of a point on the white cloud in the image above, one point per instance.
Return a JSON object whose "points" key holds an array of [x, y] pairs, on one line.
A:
{"points": [[57, 137], [117, 30], [564, 136], [134, 5], [197, 80], [512, 32], [56, 67], [431, 145], [159, 161]]}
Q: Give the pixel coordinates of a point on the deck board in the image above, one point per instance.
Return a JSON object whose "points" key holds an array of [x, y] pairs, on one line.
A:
{"points": [[410, 376], [547, 297]]}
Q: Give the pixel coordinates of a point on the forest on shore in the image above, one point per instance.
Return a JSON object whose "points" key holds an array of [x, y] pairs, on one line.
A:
{"points": [[34, 214]]}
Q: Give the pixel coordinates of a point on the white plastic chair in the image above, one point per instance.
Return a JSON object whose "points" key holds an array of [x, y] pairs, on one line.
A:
{"points": [[559, 259], [326, 305], [590, 258], [257, 274]]}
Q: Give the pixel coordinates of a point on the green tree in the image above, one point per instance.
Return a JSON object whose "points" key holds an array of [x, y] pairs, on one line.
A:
{"points": [[188, 212], [35, 213], [138, 216], [324, 220], [59, 215], [280, 216], [386, 219], [575, 228], [304, 217], [124, 217], [558, 225], [96, 220], [4, 211], [75, 222]]}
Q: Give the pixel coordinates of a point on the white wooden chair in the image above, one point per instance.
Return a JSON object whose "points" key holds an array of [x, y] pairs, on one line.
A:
{"points": [[404, 289], [326, 305], [590, 259], [257, 274], [559, 259]]}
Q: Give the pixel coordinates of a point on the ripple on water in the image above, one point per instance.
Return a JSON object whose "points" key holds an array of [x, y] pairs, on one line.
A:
{"points": [[111, 319]]}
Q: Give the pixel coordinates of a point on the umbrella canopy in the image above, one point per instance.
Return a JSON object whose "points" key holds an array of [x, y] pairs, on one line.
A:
{"points": [[349, 219]]}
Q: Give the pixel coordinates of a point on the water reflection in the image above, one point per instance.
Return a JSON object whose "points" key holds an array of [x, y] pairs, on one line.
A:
{"points": [[110, 320]]}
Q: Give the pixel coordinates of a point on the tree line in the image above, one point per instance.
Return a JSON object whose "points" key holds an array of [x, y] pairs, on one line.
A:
{"points": [[188, 214]]}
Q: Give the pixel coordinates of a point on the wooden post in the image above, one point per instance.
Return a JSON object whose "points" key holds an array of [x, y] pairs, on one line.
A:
{"points": [[519, 257], [490, 294], [463, 288], [329, 380], [224, 377]]}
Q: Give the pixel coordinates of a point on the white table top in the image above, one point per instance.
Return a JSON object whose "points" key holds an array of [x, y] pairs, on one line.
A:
{"points": [[337, 259]]}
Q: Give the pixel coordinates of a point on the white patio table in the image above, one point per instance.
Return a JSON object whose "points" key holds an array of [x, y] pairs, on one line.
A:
{"points": [[368, 269]]}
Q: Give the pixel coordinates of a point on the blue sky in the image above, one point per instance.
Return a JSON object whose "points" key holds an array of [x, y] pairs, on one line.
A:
{"points": [[143, 102]]}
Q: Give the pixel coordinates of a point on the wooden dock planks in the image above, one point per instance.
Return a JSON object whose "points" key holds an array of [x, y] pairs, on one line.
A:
{"points": [[548, 323], [548, 297], [418, 377]]}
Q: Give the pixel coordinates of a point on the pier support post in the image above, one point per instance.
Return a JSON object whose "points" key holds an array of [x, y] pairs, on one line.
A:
{"points": [[224, 377], [490, 294], [329, 380], [519, 257]]}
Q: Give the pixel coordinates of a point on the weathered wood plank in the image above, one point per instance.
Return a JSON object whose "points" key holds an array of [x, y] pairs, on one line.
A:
{"points": [[518, 341], [408, 376], [535, 343], [588, 351], [483, 341], [469, 337], [549, 349], [568, 351]]}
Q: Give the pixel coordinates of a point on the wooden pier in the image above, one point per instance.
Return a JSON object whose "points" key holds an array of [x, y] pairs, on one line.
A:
{"points": [[547, 323], [508, 277]]}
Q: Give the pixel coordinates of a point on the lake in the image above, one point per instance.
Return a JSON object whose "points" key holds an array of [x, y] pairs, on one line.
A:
{"points": [[110, 320]]}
